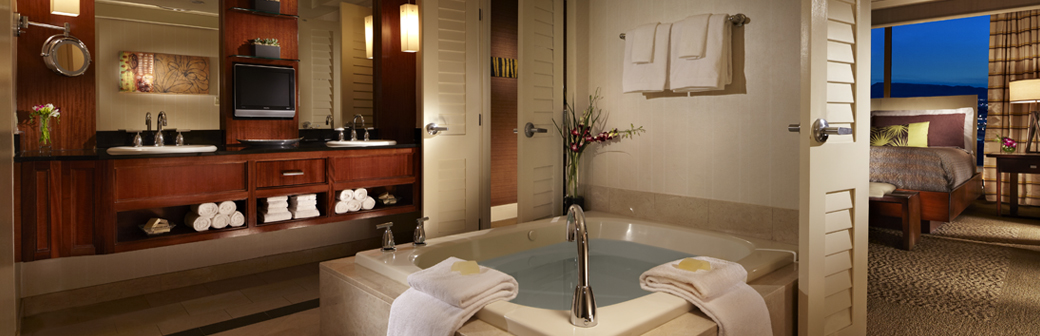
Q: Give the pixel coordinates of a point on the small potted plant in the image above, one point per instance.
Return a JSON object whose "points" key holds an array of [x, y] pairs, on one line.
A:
{"points": [[270, 6], [267, 48], [1007, 144]]}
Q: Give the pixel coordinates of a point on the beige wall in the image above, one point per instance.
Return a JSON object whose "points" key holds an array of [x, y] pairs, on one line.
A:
{"points": [[9, 321], [731, 147], [120, 110]]}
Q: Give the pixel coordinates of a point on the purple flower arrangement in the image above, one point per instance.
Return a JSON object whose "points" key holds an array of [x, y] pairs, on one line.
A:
{"points": [[1008, 145], [45, 112]]}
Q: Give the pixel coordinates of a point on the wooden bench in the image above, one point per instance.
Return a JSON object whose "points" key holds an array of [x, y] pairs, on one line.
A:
{"points": [[910, 204]]}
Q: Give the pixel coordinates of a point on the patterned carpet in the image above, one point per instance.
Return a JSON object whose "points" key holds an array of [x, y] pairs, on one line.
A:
{"points": [[979, 275]]}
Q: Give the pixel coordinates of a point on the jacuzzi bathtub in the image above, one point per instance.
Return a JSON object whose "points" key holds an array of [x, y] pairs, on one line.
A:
{"points": [[633, 316]]}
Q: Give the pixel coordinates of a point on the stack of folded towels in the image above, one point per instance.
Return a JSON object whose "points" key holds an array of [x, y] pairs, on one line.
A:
{"points": [[354, 200], [718, 288], [304, 206], [441, 299], [211, 215], [273, 209], [691, 55]]}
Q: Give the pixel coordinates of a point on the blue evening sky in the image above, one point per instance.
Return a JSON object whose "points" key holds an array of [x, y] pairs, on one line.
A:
{"points": [[952, 52]]}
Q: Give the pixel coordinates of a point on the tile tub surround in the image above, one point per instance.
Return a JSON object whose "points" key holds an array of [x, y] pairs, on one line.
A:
{"points": [[749, 220], [356, 301]]}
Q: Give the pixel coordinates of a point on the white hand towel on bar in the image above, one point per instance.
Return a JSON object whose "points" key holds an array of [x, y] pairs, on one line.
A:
{"points": [[441, 301], [642, 42], [353, 205], [298, 214], [274, 217], [305, 197], [344, 195], [368, 203], [206, 210], [648, 77], [221, 221], [237, 219], [197, 222], [360, 194], [690, 35], [342, 207], [277, 199], [712, 72], [227, 207], [720, 293]]}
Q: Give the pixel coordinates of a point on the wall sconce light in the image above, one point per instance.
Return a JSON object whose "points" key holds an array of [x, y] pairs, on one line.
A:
{"points": [[409, 28], [368, 37], [65, 7]]}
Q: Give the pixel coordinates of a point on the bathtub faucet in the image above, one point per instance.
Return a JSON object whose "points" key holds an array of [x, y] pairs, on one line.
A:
{"points": [[583, 305]]}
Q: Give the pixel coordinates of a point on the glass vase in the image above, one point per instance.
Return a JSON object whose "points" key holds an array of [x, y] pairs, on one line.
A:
{"points": [[45, 135]]}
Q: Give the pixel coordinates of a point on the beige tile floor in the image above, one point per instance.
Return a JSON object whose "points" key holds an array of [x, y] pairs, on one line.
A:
{"points": [[185, 308]]}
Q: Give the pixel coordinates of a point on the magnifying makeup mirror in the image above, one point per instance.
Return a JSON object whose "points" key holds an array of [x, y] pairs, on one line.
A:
{"points": [[66, 55]]}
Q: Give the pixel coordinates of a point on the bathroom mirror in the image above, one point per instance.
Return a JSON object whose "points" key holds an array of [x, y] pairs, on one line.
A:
{"points": [[66, 55]]}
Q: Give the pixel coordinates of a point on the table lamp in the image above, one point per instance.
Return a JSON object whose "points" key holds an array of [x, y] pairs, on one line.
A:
{"points": [[1028, 91]]}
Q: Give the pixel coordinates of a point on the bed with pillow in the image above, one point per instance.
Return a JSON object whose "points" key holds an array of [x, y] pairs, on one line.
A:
{"points": [[927, 144]]}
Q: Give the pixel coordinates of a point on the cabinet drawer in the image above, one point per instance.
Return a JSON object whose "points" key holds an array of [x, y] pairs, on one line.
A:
{"points": [[289, 172], [157, 181], [1019, 166]]}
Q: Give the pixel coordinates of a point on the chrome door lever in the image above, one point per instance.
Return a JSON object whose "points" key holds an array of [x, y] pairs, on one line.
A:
{"points": [[822, 130], [433, 129], [530, 130]]}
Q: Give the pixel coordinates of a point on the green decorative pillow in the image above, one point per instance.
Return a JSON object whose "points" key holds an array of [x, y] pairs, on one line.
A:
{"points": [[908, 135]]}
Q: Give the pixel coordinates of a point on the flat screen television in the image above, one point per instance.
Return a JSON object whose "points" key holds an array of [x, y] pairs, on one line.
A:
{"points": [[264, 91]]}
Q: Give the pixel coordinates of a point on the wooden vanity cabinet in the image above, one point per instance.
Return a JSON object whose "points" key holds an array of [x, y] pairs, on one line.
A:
{"points": [[58, 209]]}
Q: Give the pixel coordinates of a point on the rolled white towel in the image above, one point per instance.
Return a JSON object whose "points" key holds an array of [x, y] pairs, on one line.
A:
{"points": [[298, 214], [305, 197], [342, 207], [226, 208], [197, 222], [353, 205], [206, 210], [274, 217], [360, 194], [344, 195], [368, 203], [237, 219], [221, 221], [277, 199]]}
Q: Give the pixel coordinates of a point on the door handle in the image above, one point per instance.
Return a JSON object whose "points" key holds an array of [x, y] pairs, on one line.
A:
{"points": [[530, 130], [433, 129], [794, 128], [292, 173], [822, 130]]}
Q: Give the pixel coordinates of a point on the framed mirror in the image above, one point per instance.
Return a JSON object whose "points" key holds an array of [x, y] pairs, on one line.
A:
{"points": [[66, 55]]}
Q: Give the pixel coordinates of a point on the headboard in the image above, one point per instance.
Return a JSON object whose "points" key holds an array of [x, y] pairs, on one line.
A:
{"points": [[933, 103]]}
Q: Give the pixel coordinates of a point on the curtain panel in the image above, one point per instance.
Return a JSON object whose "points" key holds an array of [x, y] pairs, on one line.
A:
{"points": [[1014, 54]]}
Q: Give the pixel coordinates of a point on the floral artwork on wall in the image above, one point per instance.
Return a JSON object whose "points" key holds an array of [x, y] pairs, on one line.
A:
{"points": [[162, 73]]}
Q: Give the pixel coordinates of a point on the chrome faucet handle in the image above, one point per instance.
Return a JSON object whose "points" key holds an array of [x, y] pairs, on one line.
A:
{"points": [[180, 137], [137, 139], [353, 134], [159, 139], [420, 231], [340, 130], [388, 236], [366, 132]]}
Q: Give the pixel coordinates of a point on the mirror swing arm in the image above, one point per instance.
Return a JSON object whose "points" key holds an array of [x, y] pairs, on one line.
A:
{"points": [[51, 46], [22, 22]]}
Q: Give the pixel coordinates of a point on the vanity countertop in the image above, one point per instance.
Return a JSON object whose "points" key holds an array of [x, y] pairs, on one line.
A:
{"points": [[100, 154]]}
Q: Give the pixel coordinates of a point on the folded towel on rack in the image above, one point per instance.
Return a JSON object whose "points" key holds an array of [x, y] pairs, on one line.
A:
{"points": [[360, 194], [237, 219], [344, 195], [206, 210], [342, 207], [298, 214], [275, 211], [274, 205], [304, 197], [690, 35], [274, 217], [368, 203], [302, 204], [712, 72], [226, 207], [197, 222], [440, 300], [721, 293], [642, 43], [647, 77], [221, 221], [276, 199]]}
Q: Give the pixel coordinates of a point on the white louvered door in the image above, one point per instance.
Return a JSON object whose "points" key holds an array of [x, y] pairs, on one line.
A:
{"points": [[539, 100], [451, 87], [834, 175]]}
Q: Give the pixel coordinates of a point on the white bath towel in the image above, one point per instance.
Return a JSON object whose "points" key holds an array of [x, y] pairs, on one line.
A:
{"points": [[206, 210], [197, 222], [712, 72], [344, 195], [300, 214], [302, 203], [342, 207], [275, 211], [274, 217], [305, 197], [368, 203], [642, 50], [221, 221], [353, 205], [227, 207], [690, 35], [274, 205], [237, 219], [360, 194], [720, 293], [648, 77], [441, 301], [277, 199]]}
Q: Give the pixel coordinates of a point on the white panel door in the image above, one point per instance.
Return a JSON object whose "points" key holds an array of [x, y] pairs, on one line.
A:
{"points": [[451, 87], [539, 100], [834, 174]]}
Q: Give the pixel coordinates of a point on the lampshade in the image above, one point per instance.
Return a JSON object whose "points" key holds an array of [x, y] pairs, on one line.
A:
{"points": [[409, 28], [368, 37], [65, 7], [1025, 91]]}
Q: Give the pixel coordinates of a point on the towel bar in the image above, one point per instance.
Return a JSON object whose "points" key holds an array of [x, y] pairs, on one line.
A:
{"points": [[737, 20]]}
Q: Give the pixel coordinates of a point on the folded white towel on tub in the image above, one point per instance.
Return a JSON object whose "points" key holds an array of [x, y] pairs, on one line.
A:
{"points": [[440, 301], [197, 222], [221, 221], [642, 49], [721, 293], [690, 35], [712, 72], [344, 195], [237, 219], [360, 194], [647, 77], [342, 207], [227, 207], [206, 210], [368, 203]]}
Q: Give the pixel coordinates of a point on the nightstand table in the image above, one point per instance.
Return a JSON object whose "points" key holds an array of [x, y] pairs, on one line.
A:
{"points": [[1014, 164]]}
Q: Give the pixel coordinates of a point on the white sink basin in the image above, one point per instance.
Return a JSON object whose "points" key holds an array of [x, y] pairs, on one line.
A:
{"points": [[360, 143], [145, 150]]}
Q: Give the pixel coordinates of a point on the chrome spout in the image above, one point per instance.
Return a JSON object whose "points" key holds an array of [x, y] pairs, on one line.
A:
{"points": [[148, 121], [583, 304], [388, 236], [353, 129], [419, 237]]}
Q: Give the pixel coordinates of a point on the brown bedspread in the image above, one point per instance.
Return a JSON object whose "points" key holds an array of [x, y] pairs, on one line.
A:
{"points": [[926, 169]]}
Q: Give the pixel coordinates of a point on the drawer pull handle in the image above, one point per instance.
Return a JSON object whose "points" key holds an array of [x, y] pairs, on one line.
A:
{"points": [[292, 173]]}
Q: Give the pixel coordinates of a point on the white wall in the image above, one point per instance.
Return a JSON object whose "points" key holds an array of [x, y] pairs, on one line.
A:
{"points": [[730, 147], [9, 321]]}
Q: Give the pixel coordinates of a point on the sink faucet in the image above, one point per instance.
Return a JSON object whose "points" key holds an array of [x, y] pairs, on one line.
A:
{"points": [[160, 121], [353, 129], [583, 304], [148, 120], [329, 120]]}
